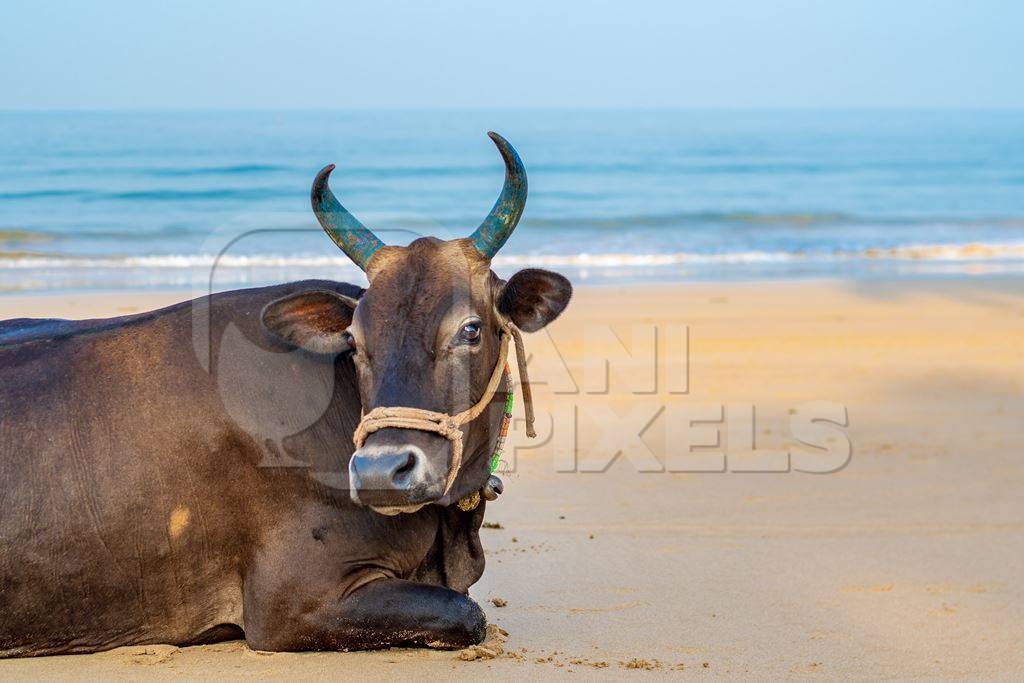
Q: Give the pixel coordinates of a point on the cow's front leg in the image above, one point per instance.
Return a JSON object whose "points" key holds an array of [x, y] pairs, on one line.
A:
{"points": [[383, 613]]}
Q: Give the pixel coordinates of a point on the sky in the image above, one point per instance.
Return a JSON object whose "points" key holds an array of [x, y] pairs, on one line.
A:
{"points": [[304, 54]]}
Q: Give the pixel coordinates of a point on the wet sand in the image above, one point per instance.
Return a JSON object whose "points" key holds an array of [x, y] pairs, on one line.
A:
{"points": [[905, 562]]}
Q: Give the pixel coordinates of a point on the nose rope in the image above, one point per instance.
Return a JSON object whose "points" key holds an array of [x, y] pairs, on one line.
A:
{"points": [[450, 426]]}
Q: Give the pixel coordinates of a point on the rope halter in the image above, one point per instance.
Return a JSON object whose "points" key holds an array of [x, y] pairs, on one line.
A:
{"points": [[450, 426]]}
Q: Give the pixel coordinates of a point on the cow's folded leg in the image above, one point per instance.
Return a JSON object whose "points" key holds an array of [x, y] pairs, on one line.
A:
{"points": [[383, 613]]}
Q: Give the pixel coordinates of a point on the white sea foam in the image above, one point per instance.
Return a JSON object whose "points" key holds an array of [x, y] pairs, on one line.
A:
{"points": [[918, 252]]}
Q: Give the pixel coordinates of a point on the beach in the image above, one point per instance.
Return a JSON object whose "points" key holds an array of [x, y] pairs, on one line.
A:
{"points": [[901, 559]]}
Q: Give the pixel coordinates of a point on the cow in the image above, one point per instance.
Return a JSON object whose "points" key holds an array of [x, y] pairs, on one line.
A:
{"points": [[150, 496]]}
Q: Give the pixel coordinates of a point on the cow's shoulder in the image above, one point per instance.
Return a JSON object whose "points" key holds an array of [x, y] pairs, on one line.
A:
{"points": [[20, 330], [241, 301]]}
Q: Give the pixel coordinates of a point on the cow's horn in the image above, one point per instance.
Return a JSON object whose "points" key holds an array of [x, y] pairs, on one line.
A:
{"points": [[354, 238], [499, 224]]}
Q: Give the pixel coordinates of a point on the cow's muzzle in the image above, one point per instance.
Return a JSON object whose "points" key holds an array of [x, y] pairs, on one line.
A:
{"points": [[391, 479]]}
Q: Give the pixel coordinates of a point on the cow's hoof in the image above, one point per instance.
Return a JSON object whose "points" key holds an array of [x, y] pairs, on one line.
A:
{"points": [[466, 626], [473, 623]]}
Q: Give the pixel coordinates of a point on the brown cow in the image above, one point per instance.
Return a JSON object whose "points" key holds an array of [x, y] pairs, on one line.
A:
{"points": [[146, 496]]}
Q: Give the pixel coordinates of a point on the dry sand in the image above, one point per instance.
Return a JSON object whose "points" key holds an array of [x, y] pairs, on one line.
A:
{"points": [[905, 563]]}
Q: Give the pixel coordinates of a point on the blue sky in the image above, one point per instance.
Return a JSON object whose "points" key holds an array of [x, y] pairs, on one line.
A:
{"points": [[96, 54]]}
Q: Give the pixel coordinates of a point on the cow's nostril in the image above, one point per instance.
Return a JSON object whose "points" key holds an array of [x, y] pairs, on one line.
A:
{"points": [[408, 466]]}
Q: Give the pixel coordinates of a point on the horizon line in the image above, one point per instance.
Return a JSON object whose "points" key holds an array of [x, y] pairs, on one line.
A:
{"points": [[565, 108]]}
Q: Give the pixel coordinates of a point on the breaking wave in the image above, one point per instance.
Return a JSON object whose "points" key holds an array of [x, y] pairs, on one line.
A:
{"points": [[917, 252]]}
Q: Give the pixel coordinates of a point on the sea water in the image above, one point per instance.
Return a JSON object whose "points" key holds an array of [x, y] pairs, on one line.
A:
{"points": [[109, 200]]}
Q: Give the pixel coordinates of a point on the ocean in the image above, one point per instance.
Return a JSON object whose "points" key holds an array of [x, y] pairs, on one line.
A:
{"points": [[142, 200]]}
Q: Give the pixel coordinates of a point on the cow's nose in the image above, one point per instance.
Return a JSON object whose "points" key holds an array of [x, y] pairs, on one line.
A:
{"points": [[385, 471]]}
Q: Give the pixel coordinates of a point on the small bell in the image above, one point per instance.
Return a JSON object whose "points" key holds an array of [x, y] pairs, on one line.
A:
{"points": [[493, 488]]}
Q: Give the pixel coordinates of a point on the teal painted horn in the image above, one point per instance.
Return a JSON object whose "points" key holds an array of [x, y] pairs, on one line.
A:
{"points": [[354, 238], [499, 224]]}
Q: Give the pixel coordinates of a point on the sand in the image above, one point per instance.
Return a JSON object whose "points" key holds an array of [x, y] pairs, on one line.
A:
{"points": [[906, 562]]}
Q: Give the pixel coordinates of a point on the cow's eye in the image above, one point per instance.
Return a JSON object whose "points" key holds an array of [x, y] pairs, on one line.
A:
{"points": [[470, 333]]}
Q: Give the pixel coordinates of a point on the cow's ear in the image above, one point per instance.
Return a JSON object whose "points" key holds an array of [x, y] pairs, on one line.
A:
{"points": [[533, 297], [314, 320]]}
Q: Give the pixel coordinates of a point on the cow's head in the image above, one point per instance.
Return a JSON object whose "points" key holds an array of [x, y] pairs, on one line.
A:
{"points": [[425, 334]]}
